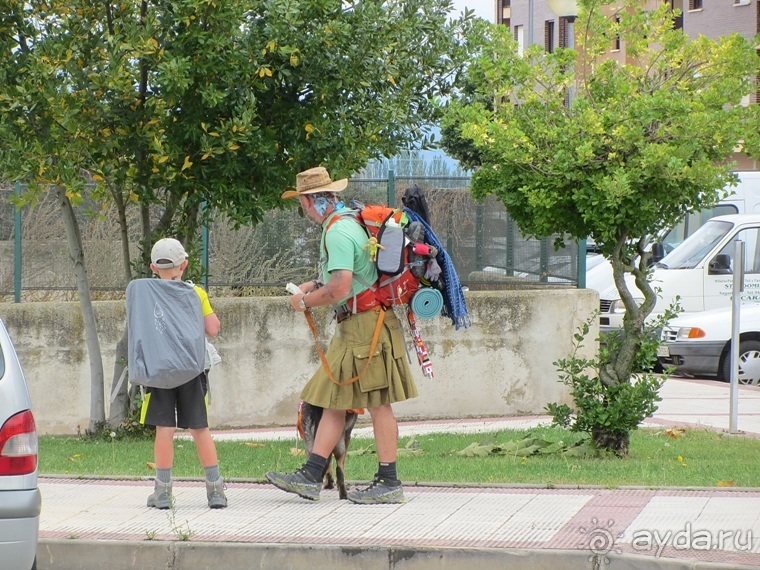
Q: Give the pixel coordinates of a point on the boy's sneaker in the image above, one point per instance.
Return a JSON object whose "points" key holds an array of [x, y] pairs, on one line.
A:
{"points": [[215, 493], [380, 491], [161, 497], [297, 482]]}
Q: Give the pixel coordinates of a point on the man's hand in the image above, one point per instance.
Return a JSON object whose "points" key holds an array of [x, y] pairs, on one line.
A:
{"points": [[336, 289], [295, 301]]}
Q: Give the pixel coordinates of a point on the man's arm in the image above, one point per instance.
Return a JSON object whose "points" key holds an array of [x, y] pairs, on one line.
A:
{"points": [[334, 290]]}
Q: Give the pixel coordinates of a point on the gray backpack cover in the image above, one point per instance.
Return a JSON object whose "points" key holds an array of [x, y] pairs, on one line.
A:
{"points": [[167, 342]]}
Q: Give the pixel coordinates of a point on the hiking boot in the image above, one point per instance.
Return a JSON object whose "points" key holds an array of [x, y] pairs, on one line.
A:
{"points": [[161, 497], [297, 482], [215, 493], [380, 491]]}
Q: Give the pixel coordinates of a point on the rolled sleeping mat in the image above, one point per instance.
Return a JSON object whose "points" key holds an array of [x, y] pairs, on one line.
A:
{"points": [[427, 303]]}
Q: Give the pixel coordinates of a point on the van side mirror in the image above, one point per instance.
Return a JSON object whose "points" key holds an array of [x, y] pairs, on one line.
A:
{"points": [[658, 252], [720, 265]]}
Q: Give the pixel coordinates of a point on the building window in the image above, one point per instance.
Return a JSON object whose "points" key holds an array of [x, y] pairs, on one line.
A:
{"points": [[695, 4], [520, 39], [678, 20], [549, 36], [616, 41], [504, 12]]}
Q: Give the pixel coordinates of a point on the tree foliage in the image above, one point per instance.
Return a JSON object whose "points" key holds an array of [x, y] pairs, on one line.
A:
{"points": [[216, 101], [580, 144], [181, 103]]}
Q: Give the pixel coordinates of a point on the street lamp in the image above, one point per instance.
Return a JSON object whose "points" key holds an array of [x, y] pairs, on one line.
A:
{"points": [[568, 9], [564, 8]]}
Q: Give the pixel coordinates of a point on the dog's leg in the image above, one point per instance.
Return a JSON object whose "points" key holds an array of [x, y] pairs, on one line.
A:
{"points": [[340, 467], [340, 452], [329, 480]]}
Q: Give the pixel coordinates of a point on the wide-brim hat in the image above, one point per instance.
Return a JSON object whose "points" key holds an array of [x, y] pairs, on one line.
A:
{"points": [[314, 180]]}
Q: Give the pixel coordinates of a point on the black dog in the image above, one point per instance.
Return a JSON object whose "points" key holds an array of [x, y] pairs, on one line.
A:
{"points": [[308, 420]]}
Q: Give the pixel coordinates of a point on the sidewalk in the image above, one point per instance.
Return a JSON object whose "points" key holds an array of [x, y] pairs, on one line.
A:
{"points": [[103, 523]]}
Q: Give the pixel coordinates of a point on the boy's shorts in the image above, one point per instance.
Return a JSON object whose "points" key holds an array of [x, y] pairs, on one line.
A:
{"points": [[183, 406]]}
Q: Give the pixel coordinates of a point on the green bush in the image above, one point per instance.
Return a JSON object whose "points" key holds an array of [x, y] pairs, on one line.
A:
{"points": [[608, 413]]}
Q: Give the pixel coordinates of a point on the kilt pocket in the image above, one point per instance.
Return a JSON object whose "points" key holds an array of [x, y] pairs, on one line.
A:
{"points": [[375, 377]]}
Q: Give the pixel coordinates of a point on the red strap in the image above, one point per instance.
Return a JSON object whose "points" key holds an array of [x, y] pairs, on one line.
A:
{"points": [[360, 299]]}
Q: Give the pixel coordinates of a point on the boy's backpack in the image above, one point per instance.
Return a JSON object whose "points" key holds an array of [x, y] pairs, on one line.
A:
{"points": [[167, 342], [392, 242]]}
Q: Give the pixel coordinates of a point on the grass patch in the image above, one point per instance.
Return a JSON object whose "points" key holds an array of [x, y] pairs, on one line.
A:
{"points": [[679, 458]]}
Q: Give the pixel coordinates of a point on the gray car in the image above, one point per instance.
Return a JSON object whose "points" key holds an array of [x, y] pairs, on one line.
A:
{"points": [[20, 500]]}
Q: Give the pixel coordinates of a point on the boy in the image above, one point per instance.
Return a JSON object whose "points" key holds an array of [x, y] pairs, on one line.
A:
{"points": [[184, 406]]}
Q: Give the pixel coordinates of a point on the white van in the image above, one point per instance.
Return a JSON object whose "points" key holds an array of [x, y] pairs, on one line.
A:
{"points": [[700, 270], [745, 199]]}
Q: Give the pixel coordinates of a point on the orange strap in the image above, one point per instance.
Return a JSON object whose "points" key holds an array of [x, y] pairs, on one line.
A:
{"points": [[375, 338]]}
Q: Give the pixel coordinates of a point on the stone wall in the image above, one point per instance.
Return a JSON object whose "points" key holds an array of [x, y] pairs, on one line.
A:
{"points": [[500, 366]]}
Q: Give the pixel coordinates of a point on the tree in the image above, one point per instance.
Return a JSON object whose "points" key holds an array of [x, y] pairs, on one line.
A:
{"points": [[180, 103], [579, 144]]}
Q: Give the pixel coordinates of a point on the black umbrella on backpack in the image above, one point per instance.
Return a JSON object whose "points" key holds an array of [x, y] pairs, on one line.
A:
{"points": [[414, 199]]}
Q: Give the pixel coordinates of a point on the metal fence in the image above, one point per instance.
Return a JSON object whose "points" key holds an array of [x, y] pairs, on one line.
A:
{"points": [[485, 244]]}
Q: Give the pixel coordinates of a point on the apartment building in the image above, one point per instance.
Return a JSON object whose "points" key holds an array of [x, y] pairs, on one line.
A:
{"points": [[715, 18], [533, 22]]}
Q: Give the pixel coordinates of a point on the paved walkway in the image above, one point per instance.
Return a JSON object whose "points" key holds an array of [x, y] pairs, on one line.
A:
{"points": [[103, 523]]}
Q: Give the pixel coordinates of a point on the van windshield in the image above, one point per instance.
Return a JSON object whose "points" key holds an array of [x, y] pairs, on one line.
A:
{"points": [[692, 222], [697, 246]]}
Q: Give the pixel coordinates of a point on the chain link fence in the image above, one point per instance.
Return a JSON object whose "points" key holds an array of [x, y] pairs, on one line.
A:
{"points": [[485, 244]]}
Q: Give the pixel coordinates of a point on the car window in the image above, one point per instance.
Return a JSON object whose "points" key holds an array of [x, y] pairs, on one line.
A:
{"points": [[694, 249], [2, 363], [750, 237]]}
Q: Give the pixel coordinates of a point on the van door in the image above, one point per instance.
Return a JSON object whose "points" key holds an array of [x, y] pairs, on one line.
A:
{"points": [[719, 276]]}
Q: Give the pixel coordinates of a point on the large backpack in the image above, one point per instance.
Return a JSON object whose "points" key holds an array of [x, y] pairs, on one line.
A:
{"points": [[393, 243], [167, 343]]}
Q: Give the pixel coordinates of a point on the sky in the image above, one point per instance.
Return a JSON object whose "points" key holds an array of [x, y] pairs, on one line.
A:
{"points": [[482, 8]]}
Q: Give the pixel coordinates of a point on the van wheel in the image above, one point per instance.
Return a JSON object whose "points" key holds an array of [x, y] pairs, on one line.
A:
{"points": [[749, 363]]}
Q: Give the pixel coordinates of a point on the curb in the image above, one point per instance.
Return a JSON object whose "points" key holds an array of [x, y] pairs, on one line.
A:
{"points": [[132, 555]]}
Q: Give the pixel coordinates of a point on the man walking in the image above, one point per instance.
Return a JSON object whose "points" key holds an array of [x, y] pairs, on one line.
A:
{"points": [[345, 270]]}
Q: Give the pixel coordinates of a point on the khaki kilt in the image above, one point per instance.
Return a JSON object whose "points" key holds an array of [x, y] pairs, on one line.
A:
{"points": [[388, 378]]}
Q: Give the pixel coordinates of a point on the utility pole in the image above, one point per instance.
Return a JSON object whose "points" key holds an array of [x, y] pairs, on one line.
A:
{"points": [[530, 23]]}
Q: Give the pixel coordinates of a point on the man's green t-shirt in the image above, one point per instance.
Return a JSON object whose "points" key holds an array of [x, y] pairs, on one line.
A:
{"points": [[341, 248]]}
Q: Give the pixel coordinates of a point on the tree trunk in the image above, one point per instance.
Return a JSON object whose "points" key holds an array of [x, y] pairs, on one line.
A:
{"points": [[621, 362], [76, 252], [616, 442], [117, 412]]}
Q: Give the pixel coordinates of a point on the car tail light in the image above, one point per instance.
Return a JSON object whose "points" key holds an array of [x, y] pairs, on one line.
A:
{"points": [[18, 445]]}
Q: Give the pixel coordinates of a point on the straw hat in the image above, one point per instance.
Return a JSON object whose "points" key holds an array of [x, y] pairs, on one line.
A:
{"points": [[314, 180]]}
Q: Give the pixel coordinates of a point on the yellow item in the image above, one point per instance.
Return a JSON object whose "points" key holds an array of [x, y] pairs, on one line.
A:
{"points": [[373, 246]]}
